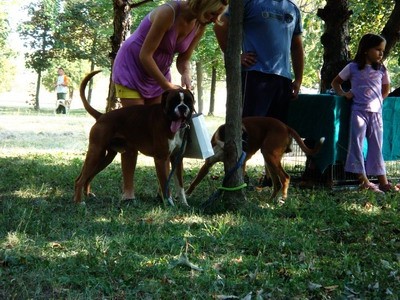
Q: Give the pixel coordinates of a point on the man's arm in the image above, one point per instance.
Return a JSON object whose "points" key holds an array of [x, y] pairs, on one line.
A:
{"points": [[297, 54]]}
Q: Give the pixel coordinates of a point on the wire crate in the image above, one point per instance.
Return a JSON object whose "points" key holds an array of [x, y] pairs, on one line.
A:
{"points": [[302, 171]]}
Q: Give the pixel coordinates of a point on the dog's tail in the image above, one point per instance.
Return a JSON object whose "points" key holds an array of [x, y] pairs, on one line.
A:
{"points": [[94, 113], [306, 150]]}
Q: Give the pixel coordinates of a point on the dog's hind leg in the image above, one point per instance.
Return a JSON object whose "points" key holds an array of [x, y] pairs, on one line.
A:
{"points": [[285, 180], [94, 158], [273, 167], [128, 165], [100, 167]]}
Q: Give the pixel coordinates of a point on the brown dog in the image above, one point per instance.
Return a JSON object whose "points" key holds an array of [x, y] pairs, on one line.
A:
{"points": [[154, 130], [269, 135]]}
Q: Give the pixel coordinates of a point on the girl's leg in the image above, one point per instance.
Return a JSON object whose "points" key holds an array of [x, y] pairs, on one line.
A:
{"points": [[355, 158], [375, 165]]}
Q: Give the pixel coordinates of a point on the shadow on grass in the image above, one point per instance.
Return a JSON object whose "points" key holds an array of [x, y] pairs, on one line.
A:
{"points": [[320, 244]]}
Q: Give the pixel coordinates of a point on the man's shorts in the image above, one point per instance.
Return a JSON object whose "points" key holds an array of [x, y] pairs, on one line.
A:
{"points": [[124, 92]]}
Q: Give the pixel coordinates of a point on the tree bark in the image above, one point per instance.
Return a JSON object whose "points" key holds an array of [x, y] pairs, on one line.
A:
{"points": [[199, 78], [233, 141], [122, 26], [212, 91], [38, 83], [391, 31], [335, 40]]}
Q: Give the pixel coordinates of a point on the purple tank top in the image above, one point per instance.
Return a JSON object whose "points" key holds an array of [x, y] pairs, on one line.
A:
{"points": [[128, 70]]}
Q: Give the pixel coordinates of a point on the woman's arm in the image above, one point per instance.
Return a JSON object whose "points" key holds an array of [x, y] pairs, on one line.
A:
{"points": [[221, 32], [183, 60], [162, 20]]}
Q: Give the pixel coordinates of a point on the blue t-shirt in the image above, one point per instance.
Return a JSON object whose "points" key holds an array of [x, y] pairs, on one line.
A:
{"points": [[268, 29]]}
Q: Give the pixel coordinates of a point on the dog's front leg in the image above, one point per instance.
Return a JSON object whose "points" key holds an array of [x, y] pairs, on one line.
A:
{"points": [[205, 169], [162, 169], [128, 166], [178, 179]]}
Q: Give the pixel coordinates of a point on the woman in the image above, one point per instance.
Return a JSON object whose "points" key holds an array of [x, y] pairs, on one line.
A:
{"points": [[142, 66], [141, 70]]}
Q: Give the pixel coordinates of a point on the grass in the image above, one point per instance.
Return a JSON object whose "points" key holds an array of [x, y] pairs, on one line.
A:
{"points": [[321, 244]]}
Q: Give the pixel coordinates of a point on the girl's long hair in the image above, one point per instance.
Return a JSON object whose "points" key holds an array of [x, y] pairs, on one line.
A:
{"points": [[367, 42]]}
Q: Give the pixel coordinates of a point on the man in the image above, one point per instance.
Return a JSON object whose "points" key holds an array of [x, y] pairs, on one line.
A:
{"points": [[61, 87], [272, 50]]}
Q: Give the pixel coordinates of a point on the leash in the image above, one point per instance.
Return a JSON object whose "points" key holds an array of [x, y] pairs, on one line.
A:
{"points": [[177, 159], [222, 188]]}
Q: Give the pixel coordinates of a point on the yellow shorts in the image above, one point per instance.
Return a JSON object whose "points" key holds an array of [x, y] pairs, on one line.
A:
{"points": [[124, 92]]}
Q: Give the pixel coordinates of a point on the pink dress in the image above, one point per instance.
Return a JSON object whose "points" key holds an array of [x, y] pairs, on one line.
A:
{"points": [[128, 70]]}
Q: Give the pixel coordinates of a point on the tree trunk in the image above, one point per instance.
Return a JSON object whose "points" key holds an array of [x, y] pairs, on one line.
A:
{"points": [[233, 141], [335, 40], [122, 26], [38, 83], [391, 31], [212, 91], [199, 77], [90, 92]]}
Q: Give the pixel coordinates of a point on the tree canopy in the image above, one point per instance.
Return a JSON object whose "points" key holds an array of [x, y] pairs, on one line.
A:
{"points": [[76, 34]]}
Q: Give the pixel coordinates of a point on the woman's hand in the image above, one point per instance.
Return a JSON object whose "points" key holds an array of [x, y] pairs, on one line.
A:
{"points": [[186, 80]]}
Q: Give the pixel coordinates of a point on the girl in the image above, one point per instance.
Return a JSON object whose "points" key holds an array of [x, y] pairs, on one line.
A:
{"points": [[370, 84]]}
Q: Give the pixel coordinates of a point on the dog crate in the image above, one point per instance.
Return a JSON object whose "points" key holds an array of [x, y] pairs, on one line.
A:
{"points": [[303, 171]]}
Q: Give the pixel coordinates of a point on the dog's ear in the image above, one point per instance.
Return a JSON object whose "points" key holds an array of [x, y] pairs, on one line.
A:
{"points": [[190, 96], [164, 98], [220, 133]]}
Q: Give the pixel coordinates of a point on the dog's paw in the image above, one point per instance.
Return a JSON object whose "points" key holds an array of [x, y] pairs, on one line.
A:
{"points": [[170, 201], [185, 205], [128, 202], [281, 201]]}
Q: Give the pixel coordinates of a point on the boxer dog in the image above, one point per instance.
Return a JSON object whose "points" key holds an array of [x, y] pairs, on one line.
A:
{"points": [[272, 137], [154, 130]]}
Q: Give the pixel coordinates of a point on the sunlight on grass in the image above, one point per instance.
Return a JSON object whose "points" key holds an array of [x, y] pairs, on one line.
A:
{"points": [[321, 244], [367, 208], [13, 239], [102, 220]]}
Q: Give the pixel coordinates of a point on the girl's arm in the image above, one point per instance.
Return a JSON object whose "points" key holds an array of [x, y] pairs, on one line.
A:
{"points": [[385, 90], [337, 86], [162, 20]]}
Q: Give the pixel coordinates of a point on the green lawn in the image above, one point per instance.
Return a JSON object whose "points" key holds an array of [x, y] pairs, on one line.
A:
{"points": [[321, 244]]}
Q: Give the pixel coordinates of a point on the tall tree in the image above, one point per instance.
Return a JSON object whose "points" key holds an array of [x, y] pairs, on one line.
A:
{"points": [[335, 39], [122, 25], [233, 141], [368, 16], [7, 54], [391, 31], [209, 61], [38, 34], [82, 33]]}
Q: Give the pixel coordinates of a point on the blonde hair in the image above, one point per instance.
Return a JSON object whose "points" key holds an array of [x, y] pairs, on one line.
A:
{"points": [[201, 7]]}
